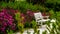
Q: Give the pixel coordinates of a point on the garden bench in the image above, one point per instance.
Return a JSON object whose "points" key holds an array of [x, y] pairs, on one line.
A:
{"points": [[40, 19]]}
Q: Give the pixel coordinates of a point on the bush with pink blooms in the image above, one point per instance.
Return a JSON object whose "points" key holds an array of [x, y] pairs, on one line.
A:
{"points": [[7, 20]]}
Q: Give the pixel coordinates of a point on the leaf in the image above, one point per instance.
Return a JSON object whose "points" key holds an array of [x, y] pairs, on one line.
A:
{"points": [[17, 16]]}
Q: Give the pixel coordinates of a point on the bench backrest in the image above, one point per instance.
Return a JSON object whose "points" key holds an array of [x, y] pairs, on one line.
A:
{"points": [[38, 16]]}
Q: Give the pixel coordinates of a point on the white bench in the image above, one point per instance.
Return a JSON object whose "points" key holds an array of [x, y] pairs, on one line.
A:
{"points": [[40, 19]]}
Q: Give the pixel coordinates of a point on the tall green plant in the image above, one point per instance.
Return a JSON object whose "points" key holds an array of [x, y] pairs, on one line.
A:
{"points": [[19, 23], [34, 25]]}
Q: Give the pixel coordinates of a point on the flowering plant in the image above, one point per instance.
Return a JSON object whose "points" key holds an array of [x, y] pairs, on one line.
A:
{"points": [[6, 21], [30, 15]]}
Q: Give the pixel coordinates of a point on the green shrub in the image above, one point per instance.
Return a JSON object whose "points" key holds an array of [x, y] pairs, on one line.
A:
{"points": [[27, 25], [34, 23], [3, 4], [52, 14], [55, 4], [58, 15], [23, 6]]}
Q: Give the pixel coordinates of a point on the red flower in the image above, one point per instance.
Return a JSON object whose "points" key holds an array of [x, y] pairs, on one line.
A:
{"points": [[43, 14], [23, 16]]}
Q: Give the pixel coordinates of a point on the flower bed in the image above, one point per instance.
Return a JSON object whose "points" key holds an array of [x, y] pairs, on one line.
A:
{"points": [[11, 19]]}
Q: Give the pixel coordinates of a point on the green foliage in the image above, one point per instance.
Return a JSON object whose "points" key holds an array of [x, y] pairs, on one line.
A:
{"points": [[17, 16], [19, 23], [58, 15], [34, 23], [55, 4], [10, 4], [21, 27], [36, 1], [28, 32], [3, 4], [38, 32], [35, 30], [54, 1], [55, 28], [23, 6], [44, 32], [9, 32], [41, 8], [48, 23], [52, 14], [27, 25]]}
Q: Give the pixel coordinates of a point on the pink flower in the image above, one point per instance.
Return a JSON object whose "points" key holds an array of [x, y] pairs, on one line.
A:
{"points": [[6, 19], [3, 29], [5, 24], [10, 23], [22, 14], [1, 14], [4, 10], [13, 26], [30, 13]]}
